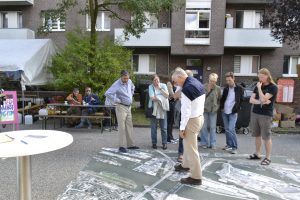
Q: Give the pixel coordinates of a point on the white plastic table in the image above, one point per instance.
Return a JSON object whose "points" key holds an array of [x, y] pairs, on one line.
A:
{"points": [[27, 143]]}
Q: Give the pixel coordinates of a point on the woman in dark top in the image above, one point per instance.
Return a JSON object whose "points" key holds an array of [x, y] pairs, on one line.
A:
{"points": [[263, 98]]}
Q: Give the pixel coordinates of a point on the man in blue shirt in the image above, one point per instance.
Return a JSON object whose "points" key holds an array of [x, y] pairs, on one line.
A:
{"points": [[121, 94], [89, 99]]}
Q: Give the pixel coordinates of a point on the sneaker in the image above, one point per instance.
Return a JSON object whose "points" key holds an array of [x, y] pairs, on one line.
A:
{"points": [[233, 151], [154, 146], [204, 146], [179, 168], [122, 150], [191, 181], [133, 147], [226, 147]]}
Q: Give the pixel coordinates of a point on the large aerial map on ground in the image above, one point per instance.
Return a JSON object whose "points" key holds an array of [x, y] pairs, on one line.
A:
{"points": [[149, 174]]}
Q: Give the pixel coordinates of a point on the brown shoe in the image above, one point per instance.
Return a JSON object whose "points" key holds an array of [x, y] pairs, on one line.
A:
{"points": [[191, 181], [179, 168]]}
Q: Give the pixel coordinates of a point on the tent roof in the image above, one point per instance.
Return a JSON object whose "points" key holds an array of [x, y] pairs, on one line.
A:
{"points": [[31, 56]]}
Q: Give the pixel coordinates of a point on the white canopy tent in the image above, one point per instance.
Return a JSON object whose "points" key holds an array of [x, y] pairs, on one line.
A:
{"points": [[29, 56]]}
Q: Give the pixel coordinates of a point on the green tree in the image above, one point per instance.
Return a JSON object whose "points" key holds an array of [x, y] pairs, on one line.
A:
{"points": [[72, 67], [284, 18], [137, 8]]}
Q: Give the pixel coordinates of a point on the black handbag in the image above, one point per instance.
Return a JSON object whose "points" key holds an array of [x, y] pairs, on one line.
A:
{"points": [[149, 111]]}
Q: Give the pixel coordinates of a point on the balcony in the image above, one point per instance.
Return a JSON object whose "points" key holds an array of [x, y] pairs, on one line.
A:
{"points": [[16, 3], [250, 38], [16, 33], [157, 37]]}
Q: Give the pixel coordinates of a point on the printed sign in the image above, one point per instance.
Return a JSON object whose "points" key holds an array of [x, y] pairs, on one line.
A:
{"points": [[285, 90], [9, 109]]}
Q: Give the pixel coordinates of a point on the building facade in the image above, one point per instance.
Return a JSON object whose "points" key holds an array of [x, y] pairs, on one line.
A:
{"points": [[205, 36]]}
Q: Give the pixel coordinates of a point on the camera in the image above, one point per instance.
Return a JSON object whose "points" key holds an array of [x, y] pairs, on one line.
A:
{"points": [[2, 96]]}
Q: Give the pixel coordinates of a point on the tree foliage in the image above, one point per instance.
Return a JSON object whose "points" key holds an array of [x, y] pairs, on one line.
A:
{"points": [[72, 66], [136, 8], [284, 18]]}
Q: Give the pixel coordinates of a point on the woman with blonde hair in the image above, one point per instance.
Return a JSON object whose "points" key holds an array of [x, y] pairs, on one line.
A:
{"points": [[211, 107], [263, 98]]}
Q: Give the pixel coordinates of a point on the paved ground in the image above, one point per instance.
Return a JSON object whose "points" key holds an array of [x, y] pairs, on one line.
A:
{"points": [[52, 172]]}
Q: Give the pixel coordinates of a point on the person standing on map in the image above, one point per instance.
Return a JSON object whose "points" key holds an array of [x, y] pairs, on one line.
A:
{"points": [[192, 108], [263, 98], [121, 94]]}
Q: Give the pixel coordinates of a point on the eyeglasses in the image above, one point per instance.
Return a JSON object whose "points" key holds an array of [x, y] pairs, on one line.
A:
{"points": [[88, 90]]}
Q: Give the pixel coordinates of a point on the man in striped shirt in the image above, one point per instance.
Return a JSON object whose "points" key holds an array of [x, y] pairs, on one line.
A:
{"points": [[192, 108]]}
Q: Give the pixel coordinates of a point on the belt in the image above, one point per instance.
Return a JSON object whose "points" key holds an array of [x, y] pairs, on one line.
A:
{"points": [[124, 105]]}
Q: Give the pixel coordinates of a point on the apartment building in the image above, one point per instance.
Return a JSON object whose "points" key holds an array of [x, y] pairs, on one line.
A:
{"points": [[205, 36]]}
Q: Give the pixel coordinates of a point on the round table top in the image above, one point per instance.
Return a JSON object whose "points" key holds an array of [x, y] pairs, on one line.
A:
{"points": [[31, 142]]}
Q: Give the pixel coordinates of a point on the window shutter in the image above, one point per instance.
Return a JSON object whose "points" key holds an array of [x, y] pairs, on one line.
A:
{"points": [[286, 64]]}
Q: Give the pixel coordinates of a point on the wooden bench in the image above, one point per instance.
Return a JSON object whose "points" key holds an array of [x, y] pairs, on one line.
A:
{"points": [[31, 108], [96, 116]]}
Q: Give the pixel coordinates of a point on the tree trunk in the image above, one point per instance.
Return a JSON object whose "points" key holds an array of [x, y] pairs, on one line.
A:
{"points": [[93, 11]]}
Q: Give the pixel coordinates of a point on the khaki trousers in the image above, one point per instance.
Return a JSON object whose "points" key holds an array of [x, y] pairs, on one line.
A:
{"points": [[125, 127], [190, 145]]}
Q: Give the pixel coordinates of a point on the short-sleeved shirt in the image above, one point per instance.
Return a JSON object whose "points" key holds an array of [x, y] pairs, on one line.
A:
{"points": [[266, 109]]}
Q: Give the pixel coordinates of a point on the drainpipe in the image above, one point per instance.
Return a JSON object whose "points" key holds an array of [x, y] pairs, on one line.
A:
{"points": [[221, 71]]}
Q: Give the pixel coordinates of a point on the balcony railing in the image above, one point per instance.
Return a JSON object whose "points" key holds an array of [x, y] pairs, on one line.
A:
{"points": [[16, 33], [256, 38], [16, 2], [157, 37]]}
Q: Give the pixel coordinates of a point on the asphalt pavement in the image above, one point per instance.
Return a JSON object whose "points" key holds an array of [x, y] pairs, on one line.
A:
{"points": [[53, 171]]}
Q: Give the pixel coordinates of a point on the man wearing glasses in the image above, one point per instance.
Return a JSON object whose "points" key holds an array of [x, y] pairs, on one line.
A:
{"points": [[121, 94], [89, 99]]}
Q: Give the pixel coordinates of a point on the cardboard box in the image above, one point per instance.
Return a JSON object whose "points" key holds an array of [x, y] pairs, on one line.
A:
{"points": [[289, 117], [283, 109], [287, 124], [277, 117]]}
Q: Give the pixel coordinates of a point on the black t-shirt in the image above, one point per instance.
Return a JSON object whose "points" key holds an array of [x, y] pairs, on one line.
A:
{"points": [[266, 109]]}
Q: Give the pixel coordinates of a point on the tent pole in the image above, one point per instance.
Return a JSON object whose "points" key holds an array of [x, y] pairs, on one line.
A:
{"points": [[23, 103]]}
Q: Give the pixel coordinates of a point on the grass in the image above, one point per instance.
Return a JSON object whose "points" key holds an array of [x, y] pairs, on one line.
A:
{"points": [[139, 118]]}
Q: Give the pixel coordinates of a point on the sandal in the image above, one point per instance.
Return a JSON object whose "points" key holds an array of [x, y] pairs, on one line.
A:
{"points": [[253, 157], [265, 161]]}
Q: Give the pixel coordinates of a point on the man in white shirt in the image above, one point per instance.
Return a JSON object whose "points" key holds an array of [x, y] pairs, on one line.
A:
{"points": [[230, 104], [192, 108]]}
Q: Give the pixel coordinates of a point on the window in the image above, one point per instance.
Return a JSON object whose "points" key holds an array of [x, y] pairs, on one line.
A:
{"points": [[290, 66], [3, 20], [152, 20], [248, 18], [246, 65], [144, 63], [53, 23], [11, 19], [197, 22], [20, 20], [103, 21]]}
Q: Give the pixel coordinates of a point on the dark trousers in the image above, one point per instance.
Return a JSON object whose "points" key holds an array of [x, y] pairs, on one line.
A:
{"points": [[170, 122]]}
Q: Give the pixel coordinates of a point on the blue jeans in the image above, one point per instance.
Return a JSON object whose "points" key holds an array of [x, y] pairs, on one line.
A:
{"points": [[229, 121], [209, 127], [163, 128]]}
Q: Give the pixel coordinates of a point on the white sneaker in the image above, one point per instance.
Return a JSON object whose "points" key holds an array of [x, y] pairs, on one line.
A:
{"points": [[228, 149], [233, 151]]}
